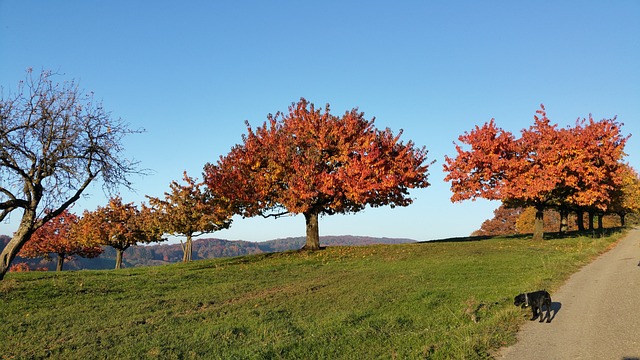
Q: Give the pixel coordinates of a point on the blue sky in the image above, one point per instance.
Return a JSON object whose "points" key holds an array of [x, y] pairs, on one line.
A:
{"points": [[191, 73]]}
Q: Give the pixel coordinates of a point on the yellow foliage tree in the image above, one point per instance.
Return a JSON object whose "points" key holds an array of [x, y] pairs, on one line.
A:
{"points": [[626, 200], [190, 211]]}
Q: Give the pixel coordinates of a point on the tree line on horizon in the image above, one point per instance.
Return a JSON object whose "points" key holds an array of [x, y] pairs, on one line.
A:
{"points": [[164, 253], [56, 140]]}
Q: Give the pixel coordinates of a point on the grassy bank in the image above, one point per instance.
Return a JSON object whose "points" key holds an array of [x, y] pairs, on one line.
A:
{"points": [[427, 300]]}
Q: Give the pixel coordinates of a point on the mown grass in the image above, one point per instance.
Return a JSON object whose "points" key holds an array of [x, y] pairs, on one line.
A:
{"points": [[437, 300]]}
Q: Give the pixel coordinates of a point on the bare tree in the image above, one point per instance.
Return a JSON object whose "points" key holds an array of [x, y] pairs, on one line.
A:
{"points": [[54, 141]]}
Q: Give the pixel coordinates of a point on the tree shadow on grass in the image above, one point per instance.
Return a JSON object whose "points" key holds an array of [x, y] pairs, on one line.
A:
{"points": [[547, 236], [476, 238], [584, 233]]}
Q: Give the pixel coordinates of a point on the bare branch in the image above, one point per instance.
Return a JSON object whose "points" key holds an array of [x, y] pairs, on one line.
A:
{"points": [[55, 141], [275, 216]]}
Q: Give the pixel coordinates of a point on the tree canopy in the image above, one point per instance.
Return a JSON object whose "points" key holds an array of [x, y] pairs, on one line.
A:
{"points": [[191, 211], [119, 225], [311, 162], [56, 237]]}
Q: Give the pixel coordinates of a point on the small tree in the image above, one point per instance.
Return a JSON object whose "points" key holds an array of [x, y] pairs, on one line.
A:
{"points": [[120, 226], [503, 222], [55, 237], [626, 200], [54, 141], [313, 163], [190, 211]]}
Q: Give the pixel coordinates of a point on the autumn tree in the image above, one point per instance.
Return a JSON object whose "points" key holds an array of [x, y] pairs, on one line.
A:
{"points": [[55, 237], [525, 223], [547, 167], [536, 170], [120, 226], [500, 167], [483, 170], [54, 141], [602, 145], [626, 198], [311, 162], [191, 211], [503, 222]]}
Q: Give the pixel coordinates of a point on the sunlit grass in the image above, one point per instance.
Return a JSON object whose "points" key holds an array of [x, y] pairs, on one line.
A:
{"points": [[428, 300]]}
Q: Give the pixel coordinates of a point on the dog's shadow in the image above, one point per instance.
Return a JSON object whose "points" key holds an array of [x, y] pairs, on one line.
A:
{"points": [[555, 308]]}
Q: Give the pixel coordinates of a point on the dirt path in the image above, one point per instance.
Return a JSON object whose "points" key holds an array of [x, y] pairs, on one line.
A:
{"points": [[596, 314]]}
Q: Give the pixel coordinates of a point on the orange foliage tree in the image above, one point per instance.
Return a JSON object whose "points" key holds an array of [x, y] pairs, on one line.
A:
{"points": [[55, 237], [190, 211], [482, 171], [313, 163], [536, 173], [503, 222], [120, 226], [573, 168], [596, 166]]}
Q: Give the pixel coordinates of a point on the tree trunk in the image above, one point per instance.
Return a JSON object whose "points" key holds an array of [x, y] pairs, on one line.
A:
{"points": [[591, 216], [313, 233], [119, 253], [187, 249], [600, 227], [60, 262], [564, 221], [622, 218], [538, 226], [21, 236], [580, 220]]}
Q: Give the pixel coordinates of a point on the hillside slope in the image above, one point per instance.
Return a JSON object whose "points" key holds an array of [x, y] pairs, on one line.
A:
{"points": [[436, 300], [207, 248]]}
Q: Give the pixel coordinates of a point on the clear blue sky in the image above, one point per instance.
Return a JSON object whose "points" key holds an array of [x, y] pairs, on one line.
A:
{"points": [[191, 72]]}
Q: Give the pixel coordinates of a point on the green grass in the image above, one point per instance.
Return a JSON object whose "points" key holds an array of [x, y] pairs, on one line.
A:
{"points": [[436, 300]]}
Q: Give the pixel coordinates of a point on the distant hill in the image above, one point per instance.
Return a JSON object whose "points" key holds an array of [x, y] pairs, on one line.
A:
{"points": [[159, 254]]}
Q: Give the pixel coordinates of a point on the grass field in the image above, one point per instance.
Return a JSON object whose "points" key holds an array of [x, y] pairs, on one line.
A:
{"points": [[439, 300]]}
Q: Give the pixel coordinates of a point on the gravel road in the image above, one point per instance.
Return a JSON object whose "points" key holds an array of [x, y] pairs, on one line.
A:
{"points": [[596, 314]]}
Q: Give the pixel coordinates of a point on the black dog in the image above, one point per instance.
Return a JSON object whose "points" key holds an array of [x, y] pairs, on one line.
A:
{"points": [[536, 300]]}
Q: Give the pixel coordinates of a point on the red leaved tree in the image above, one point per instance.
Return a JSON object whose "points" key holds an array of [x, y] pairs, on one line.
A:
{"points": [[535, 174], [55, 237], [567, 169], [599, 151], [120, 226], [311, 162], [190, 211], [481, 171]]}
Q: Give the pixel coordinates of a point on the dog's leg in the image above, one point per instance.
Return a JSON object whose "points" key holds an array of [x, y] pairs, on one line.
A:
{"points": [[534, 310], [539, 308], [542, 314], [548, 309]]}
